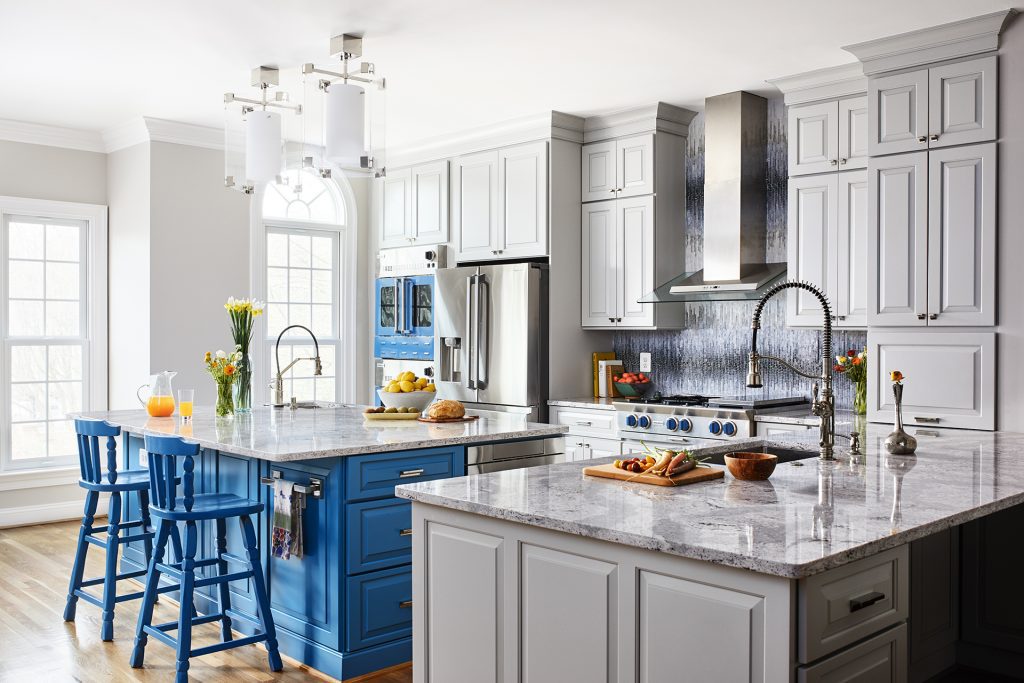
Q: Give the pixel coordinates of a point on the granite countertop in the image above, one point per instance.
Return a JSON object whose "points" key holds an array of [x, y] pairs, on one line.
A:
{"points": [[587, 402], [281, 435], [809, 517], [801, 415]]}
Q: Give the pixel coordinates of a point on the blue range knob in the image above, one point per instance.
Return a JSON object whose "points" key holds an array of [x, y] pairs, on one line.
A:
{"points": [[645, 422], [729, 428], [685, 425], [631, 420], [672, 424], [715, 427]]}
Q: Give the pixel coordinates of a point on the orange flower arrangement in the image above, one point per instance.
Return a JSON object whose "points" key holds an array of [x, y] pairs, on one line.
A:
{"points": [[222, 367]]}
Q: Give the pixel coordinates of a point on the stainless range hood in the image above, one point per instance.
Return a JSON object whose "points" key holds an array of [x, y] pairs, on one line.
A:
{"points": [[735, 166]]}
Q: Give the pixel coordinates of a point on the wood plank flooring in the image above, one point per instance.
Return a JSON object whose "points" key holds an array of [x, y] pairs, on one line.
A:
{"points": [[36, 645]]}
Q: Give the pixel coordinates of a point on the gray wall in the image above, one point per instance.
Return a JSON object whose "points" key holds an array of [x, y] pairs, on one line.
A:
{"points": [[709, 354], [41, 172]]}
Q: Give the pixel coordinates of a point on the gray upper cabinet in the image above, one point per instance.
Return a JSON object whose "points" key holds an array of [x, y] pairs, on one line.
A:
{"points": [[395, 209], [599, 171], [828, 136], [853, 133], [413, 206], [475, 205], [953, 104], [619, 168]]}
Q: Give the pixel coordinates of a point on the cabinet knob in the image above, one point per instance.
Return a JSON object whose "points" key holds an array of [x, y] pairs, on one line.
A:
{"points": [[921, 316], [922, 139], [842, 162], [611, 320], [842, 317], [832, 162], [618, 320], [613, 191], [933, 137], [933, 316]]}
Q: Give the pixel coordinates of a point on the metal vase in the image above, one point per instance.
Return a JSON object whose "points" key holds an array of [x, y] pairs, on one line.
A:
{"points": [[899, 442]]}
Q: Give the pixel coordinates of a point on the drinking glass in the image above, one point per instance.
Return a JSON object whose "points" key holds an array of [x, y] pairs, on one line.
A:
{"points": [[185, 399]]}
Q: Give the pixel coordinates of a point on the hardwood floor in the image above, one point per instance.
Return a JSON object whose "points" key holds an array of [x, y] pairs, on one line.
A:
{"points": [[37, 645]]}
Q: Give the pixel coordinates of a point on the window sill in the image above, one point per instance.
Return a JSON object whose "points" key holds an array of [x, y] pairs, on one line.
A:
{"points": [[41, 477]]}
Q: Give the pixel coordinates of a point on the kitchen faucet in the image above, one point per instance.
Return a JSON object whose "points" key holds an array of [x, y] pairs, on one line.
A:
{"points": [[824, 407], [278, 384]]}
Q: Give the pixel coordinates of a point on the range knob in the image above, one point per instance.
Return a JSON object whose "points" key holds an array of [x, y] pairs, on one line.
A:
{"points": [[631, 420], [729, 428], [685, 425], [644, 422], [671, 424], [715, 427]]}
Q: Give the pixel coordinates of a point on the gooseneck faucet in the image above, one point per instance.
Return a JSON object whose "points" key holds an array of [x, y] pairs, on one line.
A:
{"points": [[278, 384], [823, 406]]}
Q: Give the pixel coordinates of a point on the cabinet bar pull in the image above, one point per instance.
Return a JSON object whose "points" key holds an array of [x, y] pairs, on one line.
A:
{"points": [[405, 532], [928, 420], [865, 600], [832, 162], [922, 139], [933, 316], [582, 423], [405, 604], [405, 474], [933, 137], [842, 161], [315, 487], [921, 316]]}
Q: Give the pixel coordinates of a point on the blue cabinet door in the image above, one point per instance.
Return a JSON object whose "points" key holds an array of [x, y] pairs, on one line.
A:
{"points": [[379, 607], [376, 475], [378, 534]]}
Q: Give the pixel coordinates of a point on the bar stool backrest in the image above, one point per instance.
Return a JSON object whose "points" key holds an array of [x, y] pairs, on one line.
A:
{"points": [[163, 453], [89, 461]]}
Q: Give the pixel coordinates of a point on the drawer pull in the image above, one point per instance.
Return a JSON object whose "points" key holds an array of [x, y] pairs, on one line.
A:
{"points": [[928, 420], [865, 600], [405, 474], [405, 604], [405, 532], [583, 423]]}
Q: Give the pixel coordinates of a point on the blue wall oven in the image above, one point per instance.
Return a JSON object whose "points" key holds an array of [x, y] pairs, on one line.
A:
{"points": [[404, 318]]}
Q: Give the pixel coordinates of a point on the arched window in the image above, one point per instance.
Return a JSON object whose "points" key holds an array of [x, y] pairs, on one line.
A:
{"points": [[304, 220]]}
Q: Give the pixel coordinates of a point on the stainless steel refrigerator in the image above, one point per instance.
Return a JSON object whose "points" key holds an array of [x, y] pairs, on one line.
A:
{"points": [[491, 337]]}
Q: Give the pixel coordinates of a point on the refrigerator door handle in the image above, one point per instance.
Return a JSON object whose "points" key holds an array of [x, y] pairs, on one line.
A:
{"points": [[483, 315], [470, 325], [399, 304]]}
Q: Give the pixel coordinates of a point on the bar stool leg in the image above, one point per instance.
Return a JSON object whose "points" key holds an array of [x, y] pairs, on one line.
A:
{"points": [[262, 601], [163, 529], [78, 569], [110, 577], [147, 544], [185, 615], [225, 589]]}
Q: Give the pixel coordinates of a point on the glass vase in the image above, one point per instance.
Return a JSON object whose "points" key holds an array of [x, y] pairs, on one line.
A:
{"points": [[225, 398], [860, 397], [243, 384]]}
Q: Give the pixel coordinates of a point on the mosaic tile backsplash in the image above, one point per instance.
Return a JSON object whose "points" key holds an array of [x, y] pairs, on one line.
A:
{"points": [[709, 355]]}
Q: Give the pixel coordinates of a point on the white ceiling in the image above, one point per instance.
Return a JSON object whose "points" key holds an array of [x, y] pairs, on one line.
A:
{"points": [[450, 64]]}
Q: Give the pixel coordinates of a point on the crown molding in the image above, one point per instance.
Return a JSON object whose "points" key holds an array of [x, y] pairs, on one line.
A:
{"points": [[127, 134], [649, 118], [822, 84], [51, 136], [924, 46], [146, 129]]}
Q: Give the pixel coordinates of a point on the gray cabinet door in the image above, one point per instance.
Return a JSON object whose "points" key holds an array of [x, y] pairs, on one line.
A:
{"points": [[599, 180], [430, 203], [813, 138], [600, 275], [851, 251], [395, 209], [812, 231], [523, 201], [962, 106], [898, 113], [853, 133], [475, 206]]}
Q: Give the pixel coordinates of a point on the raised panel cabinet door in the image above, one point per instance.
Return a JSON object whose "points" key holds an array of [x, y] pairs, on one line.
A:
{"points": [[812, 232], [600, 269], [898, 113], [599, 180], [961, 395], [993, 598], [813, 138], [430, 203], [475, 206], [962, 235], [898, 240], [634, 165], [396, 209], [635, 222], [853, 133], [879, 659], [710, 632], [523, 201], [962, 102], [851, 245], [569, 617]]}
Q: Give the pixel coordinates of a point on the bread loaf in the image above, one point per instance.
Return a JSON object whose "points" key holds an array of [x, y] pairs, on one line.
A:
{"points": [[446, 409]]}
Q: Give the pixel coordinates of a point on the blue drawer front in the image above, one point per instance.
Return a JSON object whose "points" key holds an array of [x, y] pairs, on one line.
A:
{"points": [[375, 476], [378, 535], [379, 607]]}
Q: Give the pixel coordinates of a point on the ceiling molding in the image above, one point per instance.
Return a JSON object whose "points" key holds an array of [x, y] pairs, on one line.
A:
{"points": [[51, 136], [947, 41], [822, 84], [649, 118], [127, 134], [162, 130]]}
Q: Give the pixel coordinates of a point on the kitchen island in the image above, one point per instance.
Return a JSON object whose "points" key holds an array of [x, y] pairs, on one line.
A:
{"points": [[803, 577], [343, 608]]}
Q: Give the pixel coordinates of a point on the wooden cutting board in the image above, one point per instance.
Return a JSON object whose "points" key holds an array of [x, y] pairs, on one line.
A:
{"points": [[446, 420], [698, 474], [390, 416]]}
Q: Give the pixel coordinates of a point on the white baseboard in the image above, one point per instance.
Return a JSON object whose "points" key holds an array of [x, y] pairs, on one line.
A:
{"points": [[50, 512]]}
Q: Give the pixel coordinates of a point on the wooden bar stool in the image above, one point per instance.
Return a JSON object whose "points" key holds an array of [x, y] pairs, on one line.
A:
{"points": [[168, 508], [95, 480]]}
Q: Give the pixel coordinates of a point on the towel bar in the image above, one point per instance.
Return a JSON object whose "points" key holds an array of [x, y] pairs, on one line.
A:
{"points": [[315, 488]]}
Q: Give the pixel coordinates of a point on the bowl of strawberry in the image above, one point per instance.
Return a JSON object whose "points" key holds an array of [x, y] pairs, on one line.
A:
{"points": [[632, 384]]}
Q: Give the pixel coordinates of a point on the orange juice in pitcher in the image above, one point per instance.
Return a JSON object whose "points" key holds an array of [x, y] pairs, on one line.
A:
{"points": [[161, 399]]}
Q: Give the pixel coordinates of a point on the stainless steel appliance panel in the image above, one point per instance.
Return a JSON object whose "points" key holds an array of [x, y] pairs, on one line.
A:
{"points": [[510, 330], [453, 342], [514, 455]]}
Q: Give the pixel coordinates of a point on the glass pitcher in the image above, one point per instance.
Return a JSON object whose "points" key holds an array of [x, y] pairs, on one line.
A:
{"points": [[161, 398]]}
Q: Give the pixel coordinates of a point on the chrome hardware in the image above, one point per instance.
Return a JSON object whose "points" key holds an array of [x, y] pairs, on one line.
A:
{"points": [[933, 137], [866, 600], [922, 139], [618, 320], [315, 487], [921, 316], [927, 420], [613, 191], [611, 320], [842, 162], [406, 474], [278, 383], [842, 317], [933, 316], [405, 532], [405, 604], [583, 423], [832, 162], [854, 443]]}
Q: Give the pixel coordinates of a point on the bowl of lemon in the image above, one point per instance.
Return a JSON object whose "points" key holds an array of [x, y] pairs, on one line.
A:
{"points": [[407, 390]]}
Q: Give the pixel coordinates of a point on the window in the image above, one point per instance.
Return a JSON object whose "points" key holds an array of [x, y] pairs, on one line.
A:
{"points": [[303, 222], [53, 327]]}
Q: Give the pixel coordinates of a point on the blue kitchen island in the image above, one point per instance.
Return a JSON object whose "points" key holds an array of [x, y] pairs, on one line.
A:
{"points": [[344, 608]]}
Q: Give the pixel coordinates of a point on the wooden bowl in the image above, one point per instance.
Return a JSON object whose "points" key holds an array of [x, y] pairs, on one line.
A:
{"points": [[751, 466]]}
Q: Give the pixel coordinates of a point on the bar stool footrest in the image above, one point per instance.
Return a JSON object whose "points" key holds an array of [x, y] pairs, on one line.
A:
{"points": [[196, 621], [216, 580], [227, 645], [236, 615], [161, 636]]}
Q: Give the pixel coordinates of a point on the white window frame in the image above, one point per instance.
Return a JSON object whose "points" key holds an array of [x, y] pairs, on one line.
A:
{"points": [[345, 288], [94, 308]]}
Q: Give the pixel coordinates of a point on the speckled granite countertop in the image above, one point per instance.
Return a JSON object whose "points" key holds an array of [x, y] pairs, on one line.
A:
{"points": [[809, 517], [801, 415], [587, 402], [284, 435]]}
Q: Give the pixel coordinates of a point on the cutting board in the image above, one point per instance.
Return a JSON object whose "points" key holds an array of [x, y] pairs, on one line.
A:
{"points": [[446, 420], [695, 475], [390, 416], [599, 356]]}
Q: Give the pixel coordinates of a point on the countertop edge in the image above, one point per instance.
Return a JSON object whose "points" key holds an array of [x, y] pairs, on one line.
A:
{"points": [[583, 403]]}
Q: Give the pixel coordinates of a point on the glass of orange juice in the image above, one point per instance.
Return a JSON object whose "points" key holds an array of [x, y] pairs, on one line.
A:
{"points": [[185, 401]]}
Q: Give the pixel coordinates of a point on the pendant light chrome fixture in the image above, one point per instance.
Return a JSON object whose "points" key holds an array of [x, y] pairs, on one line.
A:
{"points": [[256, 133]]}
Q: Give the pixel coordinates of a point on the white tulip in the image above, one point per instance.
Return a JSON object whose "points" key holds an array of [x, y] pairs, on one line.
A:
{"points": [[221, 354]]}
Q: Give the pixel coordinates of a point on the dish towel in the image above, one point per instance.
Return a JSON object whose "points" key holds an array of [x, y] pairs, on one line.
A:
{"points": [[286, 541]]}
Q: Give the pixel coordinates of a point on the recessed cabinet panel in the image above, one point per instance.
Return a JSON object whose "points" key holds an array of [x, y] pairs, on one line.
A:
{"points": [[523, 198], [898, 113], [814, 137], [636, 244], [881, 659], [851, 299], [599, 171], [396, 210], [600, 264], [475, 204], [962, 102], [812, 225], [853, 133], [430, 203], [635, 165]]}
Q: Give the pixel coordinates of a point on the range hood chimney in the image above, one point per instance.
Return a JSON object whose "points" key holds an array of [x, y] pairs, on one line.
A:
{"points": [[735, 168]]}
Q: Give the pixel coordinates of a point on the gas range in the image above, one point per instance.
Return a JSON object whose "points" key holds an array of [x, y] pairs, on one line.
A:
{"points": [[693, 418]]}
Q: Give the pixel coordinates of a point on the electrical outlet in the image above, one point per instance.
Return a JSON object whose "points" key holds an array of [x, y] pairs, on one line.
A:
{"points": [[645, 362]]}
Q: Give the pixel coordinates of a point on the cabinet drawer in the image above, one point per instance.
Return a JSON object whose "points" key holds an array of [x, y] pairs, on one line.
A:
{"points": [[379, 607], [851, 602], [600, 423], [378, 535], [375, 476], [882, 659]]}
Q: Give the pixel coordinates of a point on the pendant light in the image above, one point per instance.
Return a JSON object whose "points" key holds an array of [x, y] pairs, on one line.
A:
{"points": [[344, 124], [262, 146]]}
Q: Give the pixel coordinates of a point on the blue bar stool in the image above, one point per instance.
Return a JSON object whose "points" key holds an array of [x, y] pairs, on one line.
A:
{"points": [[96, 481], [168, 508]]}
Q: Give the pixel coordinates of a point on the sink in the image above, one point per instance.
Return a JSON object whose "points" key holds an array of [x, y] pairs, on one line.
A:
{"points": [[313, 405], [784, 454]]}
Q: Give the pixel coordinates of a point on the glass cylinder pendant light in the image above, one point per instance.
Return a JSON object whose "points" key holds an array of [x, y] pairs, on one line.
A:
{"points": [[344, 124], [262, 145]]}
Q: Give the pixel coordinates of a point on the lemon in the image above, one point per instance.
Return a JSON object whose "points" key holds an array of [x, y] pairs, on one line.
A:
{"points": [[430, 387], [407, 376], [394, 389], [407, 386], [421, 382]]}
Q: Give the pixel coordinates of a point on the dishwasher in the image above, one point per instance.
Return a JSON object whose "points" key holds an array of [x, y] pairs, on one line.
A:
{"points": [[512, 455]]}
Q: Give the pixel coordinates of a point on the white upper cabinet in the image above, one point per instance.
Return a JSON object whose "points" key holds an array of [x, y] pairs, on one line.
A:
{"points": [[413, 206], [953, 104], [475, 205], [853, 133], [851, 292], [523, 201], [600, 264], [828, 136], [618, 168], [395, 208]]}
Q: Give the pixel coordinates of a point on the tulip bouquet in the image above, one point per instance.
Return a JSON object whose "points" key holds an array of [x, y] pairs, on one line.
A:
{"points": [[243, 313], [223, 368], [854, 366]]}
